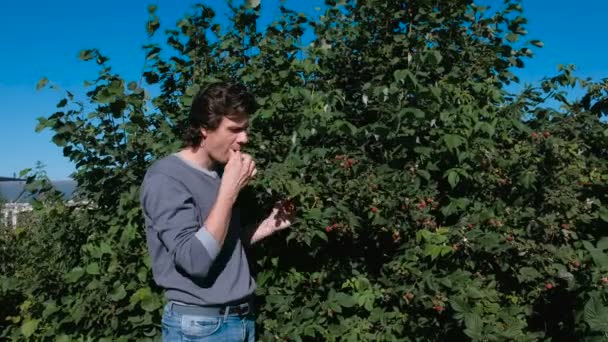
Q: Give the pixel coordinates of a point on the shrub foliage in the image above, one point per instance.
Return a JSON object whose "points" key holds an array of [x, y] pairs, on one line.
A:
{"points": [[432, 203]]}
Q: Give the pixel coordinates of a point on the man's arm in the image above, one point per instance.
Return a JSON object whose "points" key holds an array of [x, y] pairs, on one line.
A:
{"points": [[239, 169], [170, 212]]}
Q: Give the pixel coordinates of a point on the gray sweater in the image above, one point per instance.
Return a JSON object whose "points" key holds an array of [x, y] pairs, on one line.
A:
{"points": [[187, 261]]}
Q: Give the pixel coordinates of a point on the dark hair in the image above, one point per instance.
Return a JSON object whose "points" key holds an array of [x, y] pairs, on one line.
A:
{"points": [[211, 104]]}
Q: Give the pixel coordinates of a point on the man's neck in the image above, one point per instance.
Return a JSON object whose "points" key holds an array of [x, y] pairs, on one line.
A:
{"points": [[199, 157]]}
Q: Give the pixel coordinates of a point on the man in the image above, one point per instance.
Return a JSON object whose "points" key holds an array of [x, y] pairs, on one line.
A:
{"points": [[193, 230]]}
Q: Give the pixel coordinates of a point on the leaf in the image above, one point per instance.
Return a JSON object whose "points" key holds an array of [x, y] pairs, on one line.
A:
{"points": [[58, 140], [424, 174], [42, 83], [527, 179], [452, 140], [453, 178], [62, 103], [86, 55], [29, 327], [537, 43], [74, 274], [253, 4], [603, 243], [150, 303], [512, 37], [603, 213], [596, 314], [92, 268], [345, 300], [118, 293], [528, 274], [460, 305], [474, 326]]}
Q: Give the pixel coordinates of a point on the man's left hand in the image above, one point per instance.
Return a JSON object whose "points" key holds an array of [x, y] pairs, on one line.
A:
{"points": [[282, 215]]}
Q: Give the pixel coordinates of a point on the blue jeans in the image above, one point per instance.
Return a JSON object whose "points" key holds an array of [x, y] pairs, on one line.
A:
{"points": [[183, 328]]}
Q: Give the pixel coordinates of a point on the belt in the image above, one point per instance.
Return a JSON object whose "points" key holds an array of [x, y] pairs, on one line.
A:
{"points": [[225, 310]]}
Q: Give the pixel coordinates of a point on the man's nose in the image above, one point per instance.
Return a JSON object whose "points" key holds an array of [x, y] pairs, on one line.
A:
{"points": [[243, 138]]}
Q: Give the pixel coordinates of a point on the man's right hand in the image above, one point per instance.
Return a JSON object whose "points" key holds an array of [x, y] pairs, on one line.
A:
{"points": [[237, 173]]}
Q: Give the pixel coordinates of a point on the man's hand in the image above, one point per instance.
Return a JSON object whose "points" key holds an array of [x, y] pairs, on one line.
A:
{"points": [[237, 173], [281, 217]]}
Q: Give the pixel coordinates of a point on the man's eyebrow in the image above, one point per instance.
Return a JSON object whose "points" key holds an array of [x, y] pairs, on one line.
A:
{"points": [[238, 127]]}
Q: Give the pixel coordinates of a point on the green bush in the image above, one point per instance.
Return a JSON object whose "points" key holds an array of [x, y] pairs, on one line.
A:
{"points": [[432, 204]]}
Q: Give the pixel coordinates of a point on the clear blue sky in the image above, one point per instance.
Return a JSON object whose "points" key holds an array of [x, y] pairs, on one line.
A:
{"points": [[43, 38]]}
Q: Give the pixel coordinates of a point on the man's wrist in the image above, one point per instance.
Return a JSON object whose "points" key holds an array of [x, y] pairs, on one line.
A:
{"points": [[227, 196]]}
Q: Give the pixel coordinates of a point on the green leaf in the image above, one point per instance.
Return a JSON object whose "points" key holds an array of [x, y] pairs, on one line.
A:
{"points": [[527, 179], [345, 300], [460, 305], [603, 213], [453, 178], [92, 268], [528, 274], [452, 141], [150, 303], [118, 293], [596, 314], [29, 327], [603, 243], [424, 174], [74, 274], [474, 326]]}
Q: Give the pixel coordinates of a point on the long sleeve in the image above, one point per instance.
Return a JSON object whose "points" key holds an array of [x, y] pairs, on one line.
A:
{"points": [[172, 214]]}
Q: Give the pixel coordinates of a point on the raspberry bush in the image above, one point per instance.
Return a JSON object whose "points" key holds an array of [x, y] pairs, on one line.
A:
{"points": [[432, 203]]}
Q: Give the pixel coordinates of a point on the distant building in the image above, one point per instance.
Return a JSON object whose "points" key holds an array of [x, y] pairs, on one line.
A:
{"points": [[17, 200]]}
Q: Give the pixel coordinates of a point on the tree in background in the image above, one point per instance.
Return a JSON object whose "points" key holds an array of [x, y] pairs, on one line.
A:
{"points": [[432, 203]]}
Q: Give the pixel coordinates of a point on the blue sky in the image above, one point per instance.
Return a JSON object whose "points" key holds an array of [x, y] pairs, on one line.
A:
{"points": [[43, 38]]}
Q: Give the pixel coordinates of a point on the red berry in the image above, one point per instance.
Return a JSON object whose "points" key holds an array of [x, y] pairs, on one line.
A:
{"points": [[534, 135], [403, 207], [409, 296], [509, 238], [576, 264], [422, 205], [328, 229], [548, 286], [546, 134], [438, 308], [470, 226], [374, 210], [604, 280], [565, 226]]}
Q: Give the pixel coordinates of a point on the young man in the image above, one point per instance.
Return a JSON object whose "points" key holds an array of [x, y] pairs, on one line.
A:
{"points": [[193, 230]]}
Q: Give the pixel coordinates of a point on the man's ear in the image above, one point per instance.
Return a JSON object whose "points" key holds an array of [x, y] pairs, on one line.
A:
{"points": [[204, 132]]}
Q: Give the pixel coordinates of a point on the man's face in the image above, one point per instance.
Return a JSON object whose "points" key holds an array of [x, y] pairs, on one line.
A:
{"points": [[231, 134]]}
